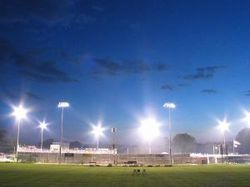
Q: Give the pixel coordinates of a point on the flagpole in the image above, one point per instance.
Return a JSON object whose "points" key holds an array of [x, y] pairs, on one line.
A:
{"points": [[235, 145]]}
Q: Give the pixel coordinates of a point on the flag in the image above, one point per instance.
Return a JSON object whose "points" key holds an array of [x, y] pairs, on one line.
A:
{"points": [[236, 143]]}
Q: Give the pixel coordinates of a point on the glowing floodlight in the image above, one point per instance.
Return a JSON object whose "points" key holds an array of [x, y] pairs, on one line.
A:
{"points": [[63, 105], [223, 126], [97, 131], [169, 105], [149, 129], [42, 125], [20, 112]]}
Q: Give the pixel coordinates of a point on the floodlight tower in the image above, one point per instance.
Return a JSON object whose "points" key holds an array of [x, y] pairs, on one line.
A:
{"points": [[113, 131], [42, 125], [223, 126], [62, 105], [170, 106], [97, 131], [149, 130], [19, 113]]}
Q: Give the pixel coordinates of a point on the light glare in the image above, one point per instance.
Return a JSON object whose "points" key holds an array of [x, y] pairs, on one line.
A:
{"points": [[63, 105], [98, 130], [169, 105], [43, 125], [149, 129], [20, 112], [223, 125]]}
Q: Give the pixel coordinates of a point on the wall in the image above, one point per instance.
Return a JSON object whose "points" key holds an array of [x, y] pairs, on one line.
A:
{"points": [[104, 159]]}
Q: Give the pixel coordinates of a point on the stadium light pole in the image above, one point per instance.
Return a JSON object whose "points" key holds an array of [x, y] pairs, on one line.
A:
{"points": [[97, 131], [42, 125], [62, 105], [223, 126], [170, 106], [19, 113], [114, 131], [149, 129]]}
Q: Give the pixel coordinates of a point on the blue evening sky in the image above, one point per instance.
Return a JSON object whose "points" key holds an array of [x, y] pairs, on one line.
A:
{"points": [[118, 61]]}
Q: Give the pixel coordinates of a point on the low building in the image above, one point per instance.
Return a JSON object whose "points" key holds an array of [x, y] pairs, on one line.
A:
{"points": [[55, 147]]}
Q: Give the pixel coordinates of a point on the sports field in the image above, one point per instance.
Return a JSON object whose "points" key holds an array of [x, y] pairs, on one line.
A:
{"points": [[12, 174]]}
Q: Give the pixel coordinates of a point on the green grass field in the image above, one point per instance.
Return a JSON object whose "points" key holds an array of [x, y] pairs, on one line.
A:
{"points": [[12, 174]]}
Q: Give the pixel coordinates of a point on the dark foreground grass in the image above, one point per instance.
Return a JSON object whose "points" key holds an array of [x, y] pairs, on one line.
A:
{"points": [[12, 174]]}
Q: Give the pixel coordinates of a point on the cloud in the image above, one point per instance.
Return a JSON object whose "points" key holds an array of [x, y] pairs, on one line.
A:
{"points": [[49, 12], [247, 93], [209, 91], [182, 84], [14, 95], [27, 10], [167, 87], [107, 66], [33, 96], [112, 67], [161, 67], [45, 72], [30, 66], [203, 73]]}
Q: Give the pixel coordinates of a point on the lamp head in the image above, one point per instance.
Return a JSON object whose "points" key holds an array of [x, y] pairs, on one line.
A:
{"points": [[63, 105], [223, 125], [169, 105], [43, 125], [149, 129], [97, 130], [20, 112]]}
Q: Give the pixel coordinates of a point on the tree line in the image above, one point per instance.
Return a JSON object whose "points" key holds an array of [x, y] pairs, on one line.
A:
{"points": [[182, 143]]}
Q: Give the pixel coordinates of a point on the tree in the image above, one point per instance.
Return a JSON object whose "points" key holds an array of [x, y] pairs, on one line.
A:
{"points": [[75, 144], [6, 145], [184, 143], [46, 143], [244, 138]]}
